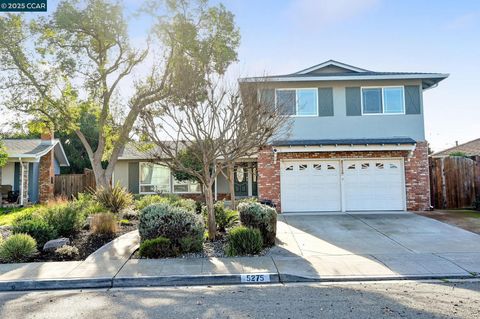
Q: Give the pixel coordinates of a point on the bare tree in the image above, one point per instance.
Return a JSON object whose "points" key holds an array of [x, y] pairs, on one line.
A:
{"points": [[219, 126]]}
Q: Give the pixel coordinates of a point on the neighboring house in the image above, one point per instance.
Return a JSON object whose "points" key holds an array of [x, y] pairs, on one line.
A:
{"points": [[31, 168], [471, 148], [357, 144]]}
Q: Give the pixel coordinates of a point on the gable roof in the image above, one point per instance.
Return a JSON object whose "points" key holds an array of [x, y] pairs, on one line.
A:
{"points": [[35, 149], [332, 70], [471, 148]]}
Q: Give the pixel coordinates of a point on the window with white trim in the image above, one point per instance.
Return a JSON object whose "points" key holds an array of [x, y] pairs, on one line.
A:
{"points": [[154, 178], [185, 186], [383, 100], [297, 102]]}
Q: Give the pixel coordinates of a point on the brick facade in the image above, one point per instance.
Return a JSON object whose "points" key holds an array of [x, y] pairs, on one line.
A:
{"points": [[46, 178], [417, 181]]}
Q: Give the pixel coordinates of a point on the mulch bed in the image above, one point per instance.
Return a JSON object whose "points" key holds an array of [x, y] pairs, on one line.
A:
{"points": [[85, 241], [214, 248]]}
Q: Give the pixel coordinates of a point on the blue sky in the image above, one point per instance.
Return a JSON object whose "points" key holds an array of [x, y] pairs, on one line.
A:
{"points": [[285, 36]]}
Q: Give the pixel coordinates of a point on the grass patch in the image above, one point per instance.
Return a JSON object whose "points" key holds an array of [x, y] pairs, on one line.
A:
{"points": [[466, 212], [7, 215]]}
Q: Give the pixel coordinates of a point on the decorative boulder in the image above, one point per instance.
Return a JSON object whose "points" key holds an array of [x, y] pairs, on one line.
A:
{"points": [[53, 244]]}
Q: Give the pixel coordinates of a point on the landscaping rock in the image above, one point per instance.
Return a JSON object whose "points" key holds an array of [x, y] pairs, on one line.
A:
{"points": [[53, 244]]}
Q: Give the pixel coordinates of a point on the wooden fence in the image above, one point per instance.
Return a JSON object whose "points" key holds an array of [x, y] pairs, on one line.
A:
{"points": [[69, 185], [453, 182]]}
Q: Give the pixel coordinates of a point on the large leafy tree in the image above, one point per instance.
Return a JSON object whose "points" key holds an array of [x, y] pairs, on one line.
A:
{"points": [[74, 61], [3, 155]]}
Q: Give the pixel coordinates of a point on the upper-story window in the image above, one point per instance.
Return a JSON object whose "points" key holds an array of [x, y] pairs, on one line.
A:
{"points": [[297, 102], [383, 100]]}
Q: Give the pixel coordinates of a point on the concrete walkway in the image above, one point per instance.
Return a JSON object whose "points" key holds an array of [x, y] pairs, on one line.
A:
{"points": [[309, 248]]}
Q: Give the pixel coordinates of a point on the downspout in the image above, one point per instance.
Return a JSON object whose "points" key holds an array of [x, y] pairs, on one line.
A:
{"points": [[21, 181]]}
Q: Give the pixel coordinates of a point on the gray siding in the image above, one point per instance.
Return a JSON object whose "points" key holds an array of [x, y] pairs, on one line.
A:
{"points": [[341, 126], [133, 177], [33, 174]]}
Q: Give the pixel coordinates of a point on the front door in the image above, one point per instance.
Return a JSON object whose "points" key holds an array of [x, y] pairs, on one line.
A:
{"points": [[241, 181]]}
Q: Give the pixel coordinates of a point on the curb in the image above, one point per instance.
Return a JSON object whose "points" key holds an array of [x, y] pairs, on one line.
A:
{"points": [[51, 284], [196, 280], [159, 281], [291, 278]]}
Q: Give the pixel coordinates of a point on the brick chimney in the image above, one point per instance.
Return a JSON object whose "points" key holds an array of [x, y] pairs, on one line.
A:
{"points": [[47, 172], [47, 137]]}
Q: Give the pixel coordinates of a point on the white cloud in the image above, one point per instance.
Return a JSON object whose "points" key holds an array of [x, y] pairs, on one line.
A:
{"points": [[314, 13]]}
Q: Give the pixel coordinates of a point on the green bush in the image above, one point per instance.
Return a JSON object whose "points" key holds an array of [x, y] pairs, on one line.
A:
{"points": [[171, 199], [263, 217], [65, 219], [115, 199], [156, 248], [224, 218], [66, 252], [244, 241], [18, 248], [36, 227], [88, 205], [174, 223]]}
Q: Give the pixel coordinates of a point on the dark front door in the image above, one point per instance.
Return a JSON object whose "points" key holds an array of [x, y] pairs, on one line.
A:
{"points": [[254, 181], [241, 181]]}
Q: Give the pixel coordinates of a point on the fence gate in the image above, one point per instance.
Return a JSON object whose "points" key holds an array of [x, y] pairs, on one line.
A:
{"points": [[452, 182], [69, 185]]}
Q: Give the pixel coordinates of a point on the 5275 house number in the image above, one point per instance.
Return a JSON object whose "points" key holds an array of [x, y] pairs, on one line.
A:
{"points": [[259, 278]]}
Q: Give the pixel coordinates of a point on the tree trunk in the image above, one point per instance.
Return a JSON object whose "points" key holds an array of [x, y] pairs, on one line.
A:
{"points": [[231, 184], [102, 178], [212, 226]]}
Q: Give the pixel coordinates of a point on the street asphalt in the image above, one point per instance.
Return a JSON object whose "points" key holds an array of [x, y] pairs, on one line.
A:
{"points": [[393, 299]]}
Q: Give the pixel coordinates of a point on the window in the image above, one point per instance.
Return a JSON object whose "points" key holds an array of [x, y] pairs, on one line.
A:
{"points": [[302, 167], [317, 166], [379, 165], [154, 178], [185, 186], [289, 168], [365, 165], [299, 102], [384, 100]]}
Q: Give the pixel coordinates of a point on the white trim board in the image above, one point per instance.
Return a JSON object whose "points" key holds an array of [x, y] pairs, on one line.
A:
{"points": [[344, 148]]}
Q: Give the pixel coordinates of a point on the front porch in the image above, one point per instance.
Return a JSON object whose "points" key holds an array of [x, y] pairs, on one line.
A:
{"points": [[245, 181]]}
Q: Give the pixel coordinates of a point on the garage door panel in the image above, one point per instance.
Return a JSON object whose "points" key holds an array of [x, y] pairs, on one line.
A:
{"points": [[310, 186], [373, 185]]}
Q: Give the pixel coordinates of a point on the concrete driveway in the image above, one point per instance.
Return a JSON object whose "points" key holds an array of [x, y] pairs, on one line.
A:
{"points": [[377, 244]]}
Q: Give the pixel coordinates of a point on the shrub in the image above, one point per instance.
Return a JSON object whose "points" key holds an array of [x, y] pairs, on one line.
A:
{"points": [[104, 224], [263, 217], [174, 223], [224, 218], [65, 219], [88, 205], [156, 248], [171, 199], [129, 213], [244, 241], [125, 222], [115, 198], [18, 248], [66, 252], [36, 227]]}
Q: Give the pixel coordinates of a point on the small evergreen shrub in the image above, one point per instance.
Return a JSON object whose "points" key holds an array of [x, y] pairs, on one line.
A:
{"points": [[174, 223], [148, 200], [114, 199], [66, 252], [160, 247], [65, 219], [244, 241], [18, 248], [88, 205], [104, 224], [36, 227], [171, 199], [263, 217], [224, 218]]}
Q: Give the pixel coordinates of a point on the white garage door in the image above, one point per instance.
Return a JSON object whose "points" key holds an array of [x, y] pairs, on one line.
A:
{"points": [[310, 186], [373, 185], [316, 186]]}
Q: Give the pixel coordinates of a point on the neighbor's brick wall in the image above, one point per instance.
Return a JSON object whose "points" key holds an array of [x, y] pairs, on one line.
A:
{"points": [[46, 178], [416, 172]]}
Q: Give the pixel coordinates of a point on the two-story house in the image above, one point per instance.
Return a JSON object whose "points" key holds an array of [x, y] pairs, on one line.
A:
{"points": [[357, 143]]}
